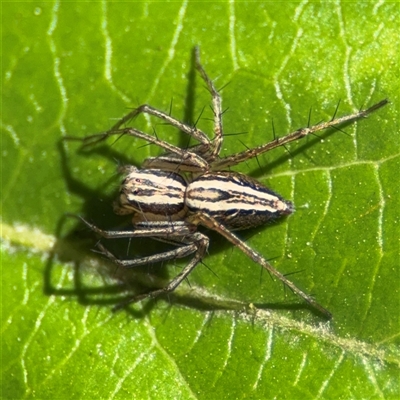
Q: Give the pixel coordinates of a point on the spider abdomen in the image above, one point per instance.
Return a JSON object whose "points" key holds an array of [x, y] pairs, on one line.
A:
{"points": [[235, 200]]}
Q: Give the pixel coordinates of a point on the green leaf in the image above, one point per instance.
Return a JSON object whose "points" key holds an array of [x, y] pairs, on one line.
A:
{"points": [[72, 69]]}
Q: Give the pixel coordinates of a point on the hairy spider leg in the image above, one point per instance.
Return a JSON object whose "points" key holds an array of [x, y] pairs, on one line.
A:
{"points": [[179, 233], [238, 158], [210, 223], [215, 148]]}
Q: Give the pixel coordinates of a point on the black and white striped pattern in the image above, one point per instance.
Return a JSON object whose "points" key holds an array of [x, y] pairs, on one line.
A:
{"points": [[236, 200], [158, 195]]}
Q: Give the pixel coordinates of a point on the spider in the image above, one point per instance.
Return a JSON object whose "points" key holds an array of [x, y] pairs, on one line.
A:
{"points": [[174, 193]]}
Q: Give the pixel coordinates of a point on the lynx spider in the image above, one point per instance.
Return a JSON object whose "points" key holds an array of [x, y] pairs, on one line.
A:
{"points": [[174, 193]]}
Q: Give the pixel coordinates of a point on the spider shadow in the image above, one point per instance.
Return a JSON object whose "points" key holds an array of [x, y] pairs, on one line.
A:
{"points": [[72, 249], [189, 104]]}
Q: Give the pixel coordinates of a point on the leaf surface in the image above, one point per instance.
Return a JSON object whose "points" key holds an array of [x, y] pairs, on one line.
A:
{"points": [[72, 69]]}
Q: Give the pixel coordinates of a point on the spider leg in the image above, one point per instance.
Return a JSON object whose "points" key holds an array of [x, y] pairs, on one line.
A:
{"points": [[211, 223], [200, 243], [178, 156], [194, 132], [146, 109], [156, 229], [216, 106], [179, 233], [179, 252], [235, 159]]}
